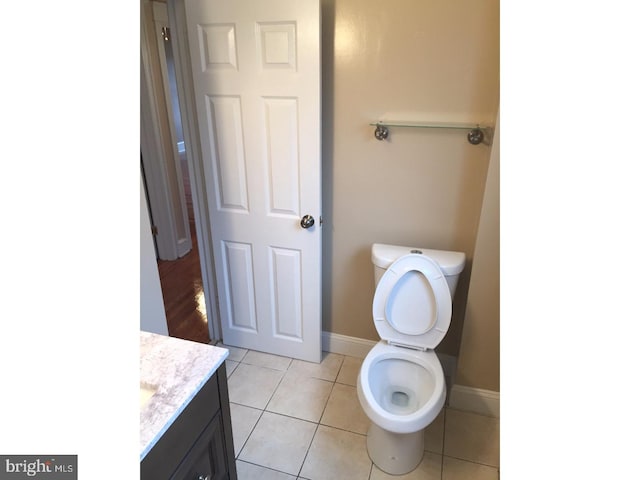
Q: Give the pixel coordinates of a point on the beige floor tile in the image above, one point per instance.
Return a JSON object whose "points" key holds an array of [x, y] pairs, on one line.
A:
{"points": [[454, 469], [249, 471], [243, 419], [253, 386], [236, 354], [472, 437], [349, 370], [344, 411], [434, 434], [300, 397], [327, 369], [279, 442], [266, 360], [336, 454], [429, 469], [231, 366]]}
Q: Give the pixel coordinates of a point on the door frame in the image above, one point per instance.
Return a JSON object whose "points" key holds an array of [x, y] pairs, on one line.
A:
{"points": [[192, 141], [161, 164], [173, 165]]}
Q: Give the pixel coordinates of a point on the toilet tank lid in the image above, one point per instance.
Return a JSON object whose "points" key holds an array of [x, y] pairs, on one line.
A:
{"points": [[451, 263]]}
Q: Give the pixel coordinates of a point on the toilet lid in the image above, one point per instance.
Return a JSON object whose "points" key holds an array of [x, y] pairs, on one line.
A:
{"points": [[412, 303]]}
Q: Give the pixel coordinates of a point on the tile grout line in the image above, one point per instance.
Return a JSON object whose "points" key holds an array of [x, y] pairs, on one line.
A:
{"points": [[324, 409], [471, 461], [370, 468], [318, 422], [250, 433], [265, 467], [344, 430], [261, 409], [306, 454]]}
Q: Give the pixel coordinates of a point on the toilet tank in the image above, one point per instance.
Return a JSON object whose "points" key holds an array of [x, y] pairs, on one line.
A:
{"points": [[451, 263]]}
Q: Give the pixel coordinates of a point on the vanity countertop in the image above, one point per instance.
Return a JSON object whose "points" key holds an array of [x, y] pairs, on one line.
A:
{"points": [[175, 370]]}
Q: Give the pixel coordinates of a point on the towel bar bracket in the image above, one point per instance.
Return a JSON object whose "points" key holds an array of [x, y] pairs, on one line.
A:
{"points": [[381, 132]]}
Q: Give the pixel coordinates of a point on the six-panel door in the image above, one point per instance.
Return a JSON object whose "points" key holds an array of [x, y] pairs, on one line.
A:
{"points": [[256, 70]]}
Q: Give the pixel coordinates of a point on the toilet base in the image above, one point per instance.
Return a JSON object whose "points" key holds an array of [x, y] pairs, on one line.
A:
{"points": [[395, 453]]}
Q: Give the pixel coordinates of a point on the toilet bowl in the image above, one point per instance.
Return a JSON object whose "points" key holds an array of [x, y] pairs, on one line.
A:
{"points": [[401, 385], [401, 390]]}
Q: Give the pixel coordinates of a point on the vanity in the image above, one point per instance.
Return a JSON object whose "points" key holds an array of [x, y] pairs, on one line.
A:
{"points": [[185, 421]]}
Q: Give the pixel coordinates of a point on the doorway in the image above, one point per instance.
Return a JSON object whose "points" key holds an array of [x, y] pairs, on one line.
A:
{"points": [[183, 294], [180, 279]]}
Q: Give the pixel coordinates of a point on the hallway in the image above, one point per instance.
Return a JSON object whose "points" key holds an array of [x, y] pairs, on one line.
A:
{"points": [[181, 283]]}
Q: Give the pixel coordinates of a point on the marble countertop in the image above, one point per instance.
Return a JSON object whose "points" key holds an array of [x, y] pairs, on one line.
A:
{"points": [[176, 369]]}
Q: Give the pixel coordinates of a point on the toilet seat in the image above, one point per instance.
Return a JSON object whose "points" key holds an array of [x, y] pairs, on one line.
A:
{"points": [[412, 303]]}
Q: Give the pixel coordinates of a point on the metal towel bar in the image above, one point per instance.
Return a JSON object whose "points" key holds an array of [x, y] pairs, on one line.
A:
{"points": [[476, 133]]}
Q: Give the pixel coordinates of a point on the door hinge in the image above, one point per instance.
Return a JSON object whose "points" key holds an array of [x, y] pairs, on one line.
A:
{"points": [[165, 33], [154, 230]]}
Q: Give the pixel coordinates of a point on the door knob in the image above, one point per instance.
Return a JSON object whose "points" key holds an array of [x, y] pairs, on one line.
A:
{"points": [[307, 221]]}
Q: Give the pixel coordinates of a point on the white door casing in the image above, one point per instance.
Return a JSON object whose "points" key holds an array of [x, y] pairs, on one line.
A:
{"points": [[159, 153], [256, 74], [161, 20]]}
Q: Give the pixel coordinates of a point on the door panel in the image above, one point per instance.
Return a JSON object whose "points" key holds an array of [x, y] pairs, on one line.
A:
{"points": [[217, 46], [281, 123], [286, 293], [256, 71], [238, 280], [226, 140]]}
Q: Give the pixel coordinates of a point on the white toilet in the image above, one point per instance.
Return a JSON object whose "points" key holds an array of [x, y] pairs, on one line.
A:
{"points": [[401, 385]]}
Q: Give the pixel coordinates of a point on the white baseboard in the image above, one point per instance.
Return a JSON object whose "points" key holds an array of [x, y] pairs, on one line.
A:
{"points": [[484, 402], [359, 347], [344, 345]]}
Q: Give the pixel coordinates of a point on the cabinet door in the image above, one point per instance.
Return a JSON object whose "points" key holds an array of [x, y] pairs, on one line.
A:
{"points": [[207, 459]]}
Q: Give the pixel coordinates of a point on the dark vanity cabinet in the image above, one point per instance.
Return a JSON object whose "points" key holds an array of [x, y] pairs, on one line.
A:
{"points": [[198, 445]]}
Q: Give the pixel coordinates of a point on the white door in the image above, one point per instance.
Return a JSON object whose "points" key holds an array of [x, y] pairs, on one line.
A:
{"points": [[256, 73]]}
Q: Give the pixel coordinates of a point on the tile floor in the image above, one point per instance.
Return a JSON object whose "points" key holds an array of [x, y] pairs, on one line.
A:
{"points": [[297, 420]]}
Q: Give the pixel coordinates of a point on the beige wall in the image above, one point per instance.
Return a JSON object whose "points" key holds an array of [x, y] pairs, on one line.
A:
{"points": [[405, 60], [479, 360]]}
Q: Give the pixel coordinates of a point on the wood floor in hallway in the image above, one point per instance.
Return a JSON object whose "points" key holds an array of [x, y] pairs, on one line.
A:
{"points": [[182, 291]]}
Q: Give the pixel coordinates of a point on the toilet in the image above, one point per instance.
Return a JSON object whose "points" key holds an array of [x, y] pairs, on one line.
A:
{"points": [[401, 385]]}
